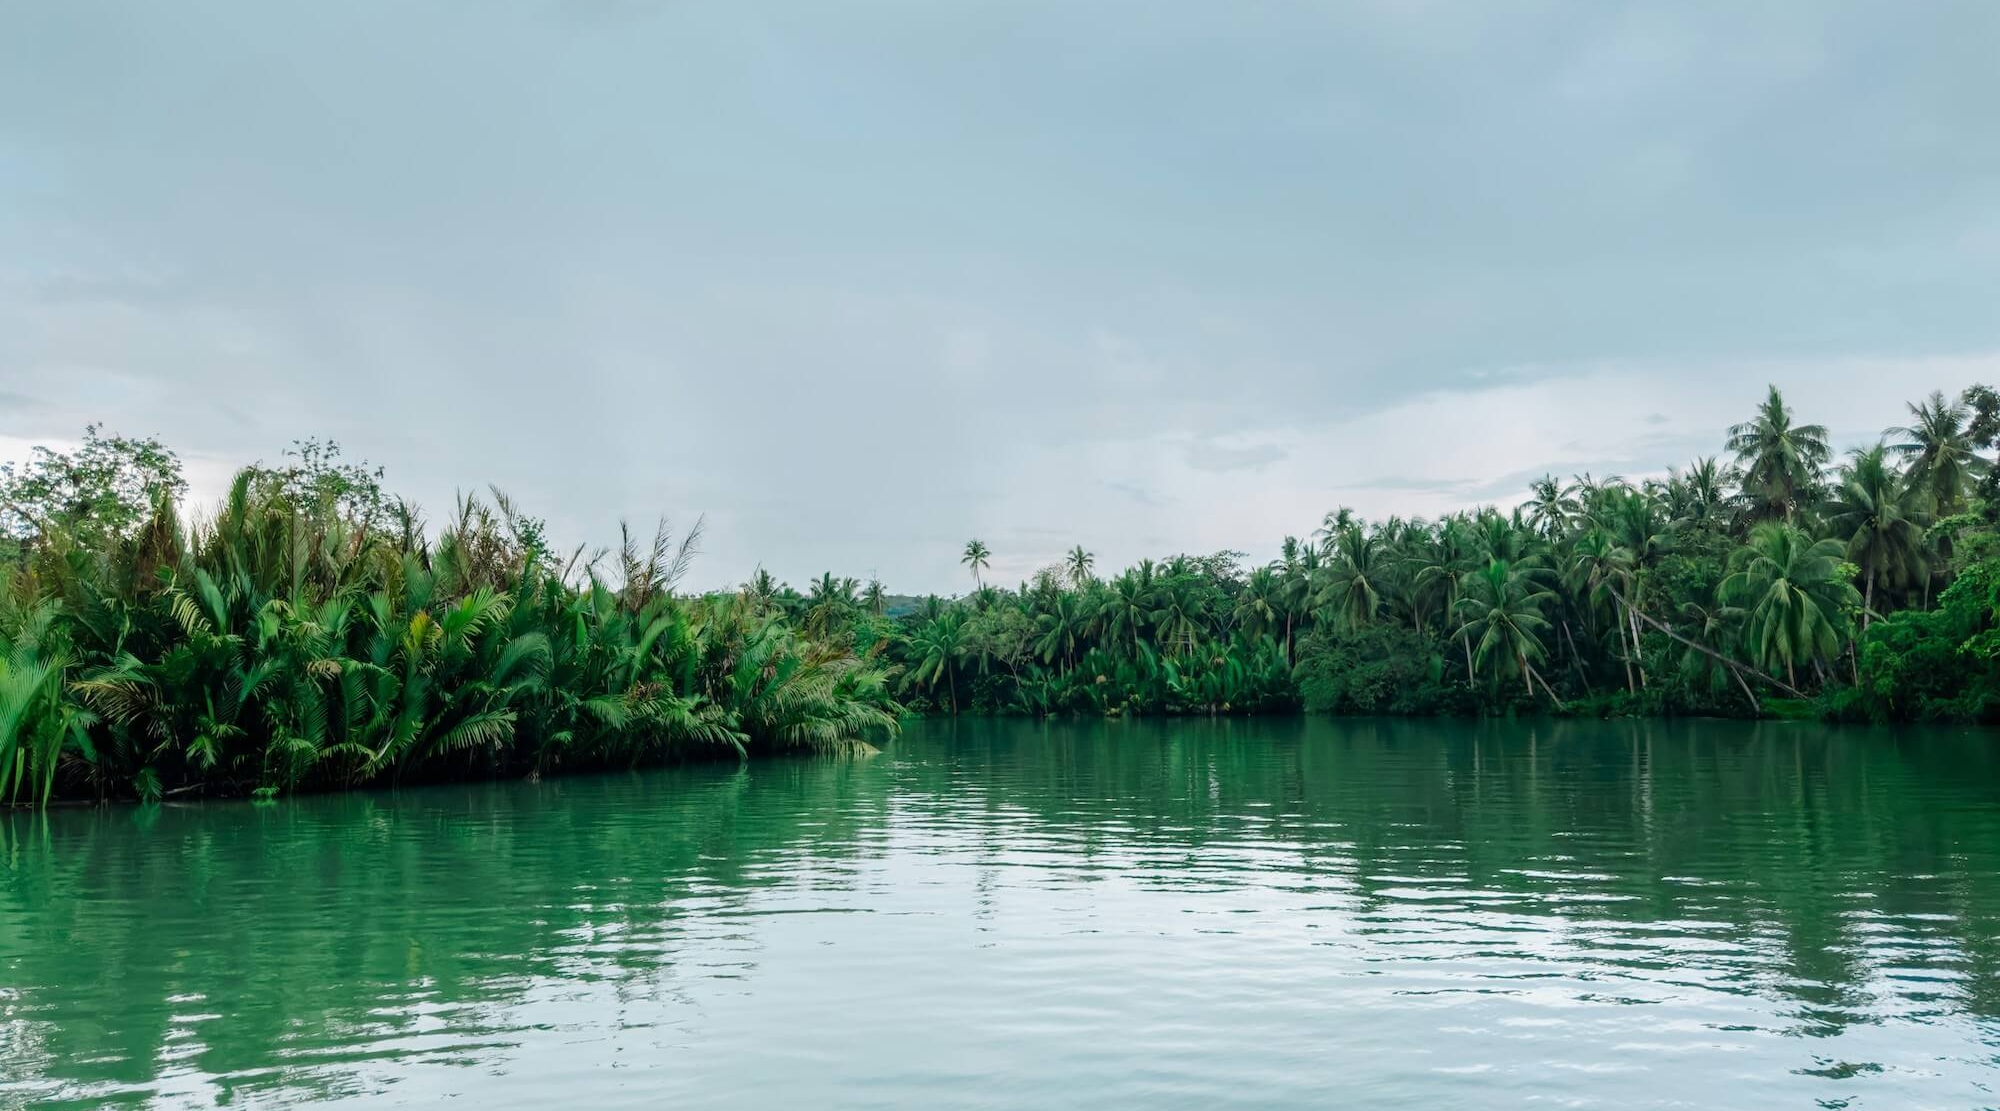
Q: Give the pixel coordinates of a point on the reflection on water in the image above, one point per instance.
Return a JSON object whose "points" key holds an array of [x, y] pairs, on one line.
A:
{"points": [[1255, 914]]}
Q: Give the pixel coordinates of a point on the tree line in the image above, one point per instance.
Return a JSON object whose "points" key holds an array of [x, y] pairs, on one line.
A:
{"points": [[314, 631], [1770, 578]]}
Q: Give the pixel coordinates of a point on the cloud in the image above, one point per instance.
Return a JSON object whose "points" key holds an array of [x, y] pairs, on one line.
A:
{"points": [[869, 279], [1208, 455], [1137, 493]]}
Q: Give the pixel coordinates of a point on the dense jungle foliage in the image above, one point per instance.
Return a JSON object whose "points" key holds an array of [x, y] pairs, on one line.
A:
{"points": [[1772, 578], [313, 632]]}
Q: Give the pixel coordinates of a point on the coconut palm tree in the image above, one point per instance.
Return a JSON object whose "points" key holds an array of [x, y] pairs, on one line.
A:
{"points": [[1883, 518], [934, 649], [1781, 462], [1258, 607], [1600, 578], [1937, 443], [829, 604], [1794, 597], [1698, 497], [978, 557], [1126, 611], [762, 589], [1500, 613], [1298, 574], [1060, 629], [1355, 580], [1550, 507], [1177, 619], [1330, 528], [1078, 563]]}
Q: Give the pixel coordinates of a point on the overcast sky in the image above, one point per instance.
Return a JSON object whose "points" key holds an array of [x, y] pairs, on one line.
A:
{"points": [[861, 280]]}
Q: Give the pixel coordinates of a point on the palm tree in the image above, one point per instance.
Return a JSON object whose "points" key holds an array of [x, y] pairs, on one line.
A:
{"points": [[1884, 520], [1178, 619], [1127, 608], [1330, 528], [1355, 580], [1938, 445], [1601, 573], [935, 647], [874, 597], [762, 589], [1060, 629], [978, 557], [1501, 616], [1257, 607], [1781, 462], [1079, 562], [1696, 497], [1301, 576], [1549, 507], [830, 602], [1794, 597]]}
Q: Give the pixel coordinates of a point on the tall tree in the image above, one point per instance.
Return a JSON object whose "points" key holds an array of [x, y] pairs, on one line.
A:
{"points": [[1355, 578], [1259, 605], [1078, 563], [1794, 597], [1883, 518], [1938, 446], [935, 647], [1500, 610], [978, 557], [1550, 507], [99, 493], [1780, 461]]}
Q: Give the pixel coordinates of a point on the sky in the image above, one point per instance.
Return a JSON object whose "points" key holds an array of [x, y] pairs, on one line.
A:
{"points": [[861, 281]]}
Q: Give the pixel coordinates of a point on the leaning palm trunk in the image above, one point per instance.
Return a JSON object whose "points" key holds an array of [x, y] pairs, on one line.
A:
{"points": [[1529, 669], [1755, 706], [1576, 659], [1625, 652], [1739, 669], [1632, 616]]}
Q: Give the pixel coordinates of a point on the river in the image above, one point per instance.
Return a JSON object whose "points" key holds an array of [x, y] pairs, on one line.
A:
{"points": [[999, 914]]}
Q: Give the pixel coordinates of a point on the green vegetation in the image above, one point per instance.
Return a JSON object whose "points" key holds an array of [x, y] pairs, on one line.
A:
{"points": [[312, 635], [1767, 581]]}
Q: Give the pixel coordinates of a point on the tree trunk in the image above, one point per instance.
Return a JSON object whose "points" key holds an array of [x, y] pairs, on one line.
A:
{"points": [[1632, 615], [1625, 653], [1544, 681], [1719, 657], [1755, 707], [1868, 601], [1576, 660]]}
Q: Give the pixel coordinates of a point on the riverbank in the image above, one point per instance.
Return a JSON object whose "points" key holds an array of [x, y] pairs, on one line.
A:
{"points": [[314, 632]]}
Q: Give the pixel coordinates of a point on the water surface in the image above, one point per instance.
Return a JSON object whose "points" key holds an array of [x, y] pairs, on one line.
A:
{"points": [[1117, 915]]}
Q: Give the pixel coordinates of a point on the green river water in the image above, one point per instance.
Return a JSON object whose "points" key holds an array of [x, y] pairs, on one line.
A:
{"points": [[1271, 914]]}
